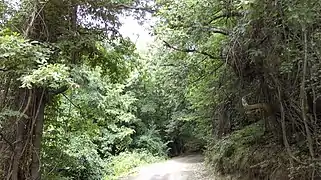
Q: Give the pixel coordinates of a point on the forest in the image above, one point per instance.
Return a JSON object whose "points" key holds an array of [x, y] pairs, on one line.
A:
{"points": [[238, 81]]}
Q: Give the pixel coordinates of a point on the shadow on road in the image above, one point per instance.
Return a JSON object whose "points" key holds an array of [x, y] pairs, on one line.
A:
{"points": [[190, 158]]}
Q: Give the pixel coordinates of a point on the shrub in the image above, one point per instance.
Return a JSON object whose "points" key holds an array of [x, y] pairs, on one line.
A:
{"points": [[78, 160], [151, 142], [126, 162], [245, 152]]}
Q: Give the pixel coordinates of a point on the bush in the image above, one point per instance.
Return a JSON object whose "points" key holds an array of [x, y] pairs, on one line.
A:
{"points": [[126, 162], [247, 152], [151, 142], [78, 160]]}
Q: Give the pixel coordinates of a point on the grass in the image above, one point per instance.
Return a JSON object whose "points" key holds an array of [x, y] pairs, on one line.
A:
{"points": [[246, 152], [127, 163]]}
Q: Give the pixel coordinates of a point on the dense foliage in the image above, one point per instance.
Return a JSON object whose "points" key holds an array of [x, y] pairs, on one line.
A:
{"points": [[239, 80], [66, 75], [238, 62]]}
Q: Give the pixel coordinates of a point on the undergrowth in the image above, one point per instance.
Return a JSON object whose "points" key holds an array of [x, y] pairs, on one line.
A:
{"points": [[250, 154], [127, 162], [245, 153]]}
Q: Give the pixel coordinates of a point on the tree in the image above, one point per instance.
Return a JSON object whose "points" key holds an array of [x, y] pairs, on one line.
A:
{"points": [[61, 38]]}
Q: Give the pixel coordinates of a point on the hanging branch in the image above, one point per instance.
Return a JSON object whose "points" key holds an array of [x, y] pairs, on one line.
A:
{"points": [[76, 106], [72, 102], [303, 96], [59, 90], [191, 50]]}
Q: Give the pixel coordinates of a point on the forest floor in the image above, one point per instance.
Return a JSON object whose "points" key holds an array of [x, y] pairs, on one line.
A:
{"points": [[189, 167]]}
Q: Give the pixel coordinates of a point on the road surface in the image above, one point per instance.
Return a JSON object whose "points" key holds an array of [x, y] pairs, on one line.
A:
{"points": [[189, 167]]}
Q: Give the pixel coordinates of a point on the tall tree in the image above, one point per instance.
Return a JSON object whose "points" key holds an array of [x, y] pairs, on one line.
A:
{"points": [[63, 34]]}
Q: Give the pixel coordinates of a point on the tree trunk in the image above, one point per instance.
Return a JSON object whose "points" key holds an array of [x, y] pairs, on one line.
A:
{"points": [[37, 134], [23, 100], [26, 158]]}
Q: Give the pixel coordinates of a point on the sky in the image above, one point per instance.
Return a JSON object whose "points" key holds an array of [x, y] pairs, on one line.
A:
{"points": [[139, 34]]}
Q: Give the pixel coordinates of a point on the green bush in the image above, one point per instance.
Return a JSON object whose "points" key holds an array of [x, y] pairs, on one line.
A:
{"points": [[234, 152], [78, 160], [152, 142], [126, 162], [249, 154]]}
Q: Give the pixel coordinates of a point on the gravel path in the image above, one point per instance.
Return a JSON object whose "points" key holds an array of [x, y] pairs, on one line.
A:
{"points": [[190, 167]]}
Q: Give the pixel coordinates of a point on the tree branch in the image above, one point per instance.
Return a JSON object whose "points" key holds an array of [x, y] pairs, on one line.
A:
{"points": [[59, 90], [124, 6], [214, 30], [203, 28], [226, 15], [206, 26], [7, 141], [191, 50], [76, 106], [213, 71], [7, 69]]}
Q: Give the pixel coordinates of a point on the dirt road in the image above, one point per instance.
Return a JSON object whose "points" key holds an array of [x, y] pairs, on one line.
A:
{"points": [[190, 167]]}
